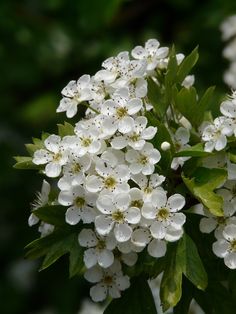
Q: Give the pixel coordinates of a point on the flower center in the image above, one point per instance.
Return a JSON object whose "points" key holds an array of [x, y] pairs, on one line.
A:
{"points": [[76, 168], [118, 216], [101, 245], [86, 141], [221, 220], [79, 202], [148, 190], [110, 182], [134, 137], [121, 112], [107, 280], [57, 157], [143, 160], [163, 214], [137, 203], [233, 245]]}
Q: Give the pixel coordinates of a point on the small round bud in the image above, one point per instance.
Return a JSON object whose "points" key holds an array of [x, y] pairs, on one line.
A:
{"points": [[165, 146]]}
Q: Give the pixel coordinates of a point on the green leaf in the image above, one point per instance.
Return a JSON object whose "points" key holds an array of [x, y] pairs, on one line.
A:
{"points": [[193, 151], [156, 98], [202, 185], [204, 104], [191, 263], [65, 129], [55, 245], [187, 64], [54, 215], [25, 163], [186, 103], [172, 67], [171, 283], [137, 299]]}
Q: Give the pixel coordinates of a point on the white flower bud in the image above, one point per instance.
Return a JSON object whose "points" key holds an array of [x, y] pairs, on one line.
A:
{"points": [[165, 146]]}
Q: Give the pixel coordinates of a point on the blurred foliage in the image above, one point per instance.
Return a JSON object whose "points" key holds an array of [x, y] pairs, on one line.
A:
{"points": [[44, 44]]}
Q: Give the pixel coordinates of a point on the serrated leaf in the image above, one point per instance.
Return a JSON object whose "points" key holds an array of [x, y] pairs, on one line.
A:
{"points": [[202, 185], [190, 261], [193, 151], [25, 162], [172, 67], [171, 283], [65, 129], [54, 215], [187, 64], [137, 299]]}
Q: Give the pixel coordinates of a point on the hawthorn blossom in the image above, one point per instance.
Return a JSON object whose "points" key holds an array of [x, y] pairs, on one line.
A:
{"points": [[73, 94], [99, 249], [181, 139], [225, 246], [116, 214], [54, 156], [144, 160], [109, 281]]}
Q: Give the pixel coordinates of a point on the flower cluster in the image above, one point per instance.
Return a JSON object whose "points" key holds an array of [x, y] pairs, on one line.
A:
{"points": [[124, 172], [107, 169]]}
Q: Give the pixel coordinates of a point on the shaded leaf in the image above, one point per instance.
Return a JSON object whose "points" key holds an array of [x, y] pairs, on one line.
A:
{"points": [[65, 129], [137, 299], [25, 162], [54, 215], [193, 151], [187, 64]]}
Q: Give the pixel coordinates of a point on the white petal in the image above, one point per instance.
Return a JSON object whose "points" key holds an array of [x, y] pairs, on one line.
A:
{"points": [[53, 169], [87, 238], [126, 125], [157, 229], [135, 168], [130, 259], [148, 211], [122, 232], [159, 198], [72, 109], [114, 292], [103, 224], [105, 205], [133, 215], [138, 52], [157, 248], [94, 147], [176, 202], [93, 184], [149, 133], [52, 143], [90, 258], [140, 237], [41, 157], [221, 142], [177, 220], [228, 109], [207, 225], [98, 293], [119, 142], [182, 135], [93, 274], [173, 234], [105, 258], [230, 260], [65, 198], [122, 200], [148, 169], [220, 248], [134, 105], [33, 219], [73, 216], [230, 232], [131, 156], [122, 282]]}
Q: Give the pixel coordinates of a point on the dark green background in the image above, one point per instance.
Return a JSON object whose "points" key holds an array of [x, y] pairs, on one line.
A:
{"points": [[43, 45]]}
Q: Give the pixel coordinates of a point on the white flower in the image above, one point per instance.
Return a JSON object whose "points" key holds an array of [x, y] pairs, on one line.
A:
{"points": [[181, 139], [109, 281], [116, 213], [215, 134], [82, 205], [151, 53], [188, 81], [55, 156], [108, 178], [73, 94], [119, 111], [137, 137], [40, 201], [225, 246], [143, 160], [166, 221], [99, 248]]}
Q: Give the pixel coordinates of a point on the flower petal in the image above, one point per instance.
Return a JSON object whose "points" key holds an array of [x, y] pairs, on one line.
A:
{"points": [[122, 232], [157, 248]]}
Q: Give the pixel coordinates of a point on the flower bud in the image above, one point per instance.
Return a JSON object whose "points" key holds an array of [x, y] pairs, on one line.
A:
{"points": [[165, 146]]}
